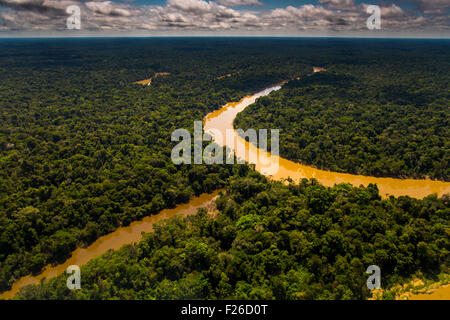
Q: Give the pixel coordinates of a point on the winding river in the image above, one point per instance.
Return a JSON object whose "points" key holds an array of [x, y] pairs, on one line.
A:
{"points": [[222, 120]]}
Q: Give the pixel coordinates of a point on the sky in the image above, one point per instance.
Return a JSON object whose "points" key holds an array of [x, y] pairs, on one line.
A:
{"points": [[302, 18]]}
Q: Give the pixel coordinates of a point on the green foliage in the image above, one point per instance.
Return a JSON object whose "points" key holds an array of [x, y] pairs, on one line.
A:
{"points": [[83, 150], [274, 245], [383, 113]]}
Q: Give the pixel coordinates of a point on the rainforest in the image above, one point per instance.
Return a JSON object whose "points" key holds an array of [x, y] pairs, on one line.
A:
{"points": [[85, 151]]}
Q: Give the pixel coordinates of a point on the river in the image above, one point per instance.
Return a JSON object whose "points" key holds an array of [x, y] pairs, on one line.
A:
{"points": [[114, 240], [222, 120]]}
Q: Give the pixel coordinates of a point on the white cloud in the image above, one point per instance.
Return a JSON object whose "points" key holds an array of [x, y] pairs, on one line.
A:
{"points": [[107, 8], [435, 7], [200, 15], [392, 11], [339, 4], [237, 3]]}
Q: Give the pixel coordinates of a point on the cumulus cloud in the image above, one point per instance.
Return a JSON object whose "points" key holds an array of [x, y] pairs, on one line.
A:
{"points": [[237, 3], [339, 4], [219, 15], [107, 8], [434, 7], [392, 11], [48, 7]]}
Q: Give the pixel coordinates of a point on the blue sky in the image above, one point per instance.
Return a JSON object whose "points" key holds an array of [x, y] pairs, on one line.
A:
{"points": [[404, 18]]}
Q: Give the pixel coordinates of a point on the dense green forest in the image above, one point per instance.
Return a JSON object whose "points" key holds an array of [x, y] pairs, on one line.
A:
{"points": [[83, 151], [273, 241], [379, 112]]}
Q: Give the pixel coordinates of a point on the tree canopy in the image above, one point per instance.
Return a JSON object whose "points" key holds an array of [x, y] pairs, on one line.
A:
{"points": [[379, 111], [273, 241]]}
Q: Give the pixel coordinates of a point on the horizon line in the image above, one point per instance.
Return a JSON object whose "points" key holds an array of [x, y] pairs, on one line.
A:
{"points": [[417, 37]]}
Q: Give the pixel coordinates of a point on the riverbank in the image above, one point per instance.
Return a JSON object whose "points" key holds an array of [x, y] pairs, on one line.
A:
{"points": [[115, 240], [148, 82]]}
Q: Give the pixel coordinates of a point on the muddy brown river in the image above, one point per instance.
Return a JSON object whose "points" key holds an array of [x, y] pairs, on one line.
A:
{"points": [[222, 121]]}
